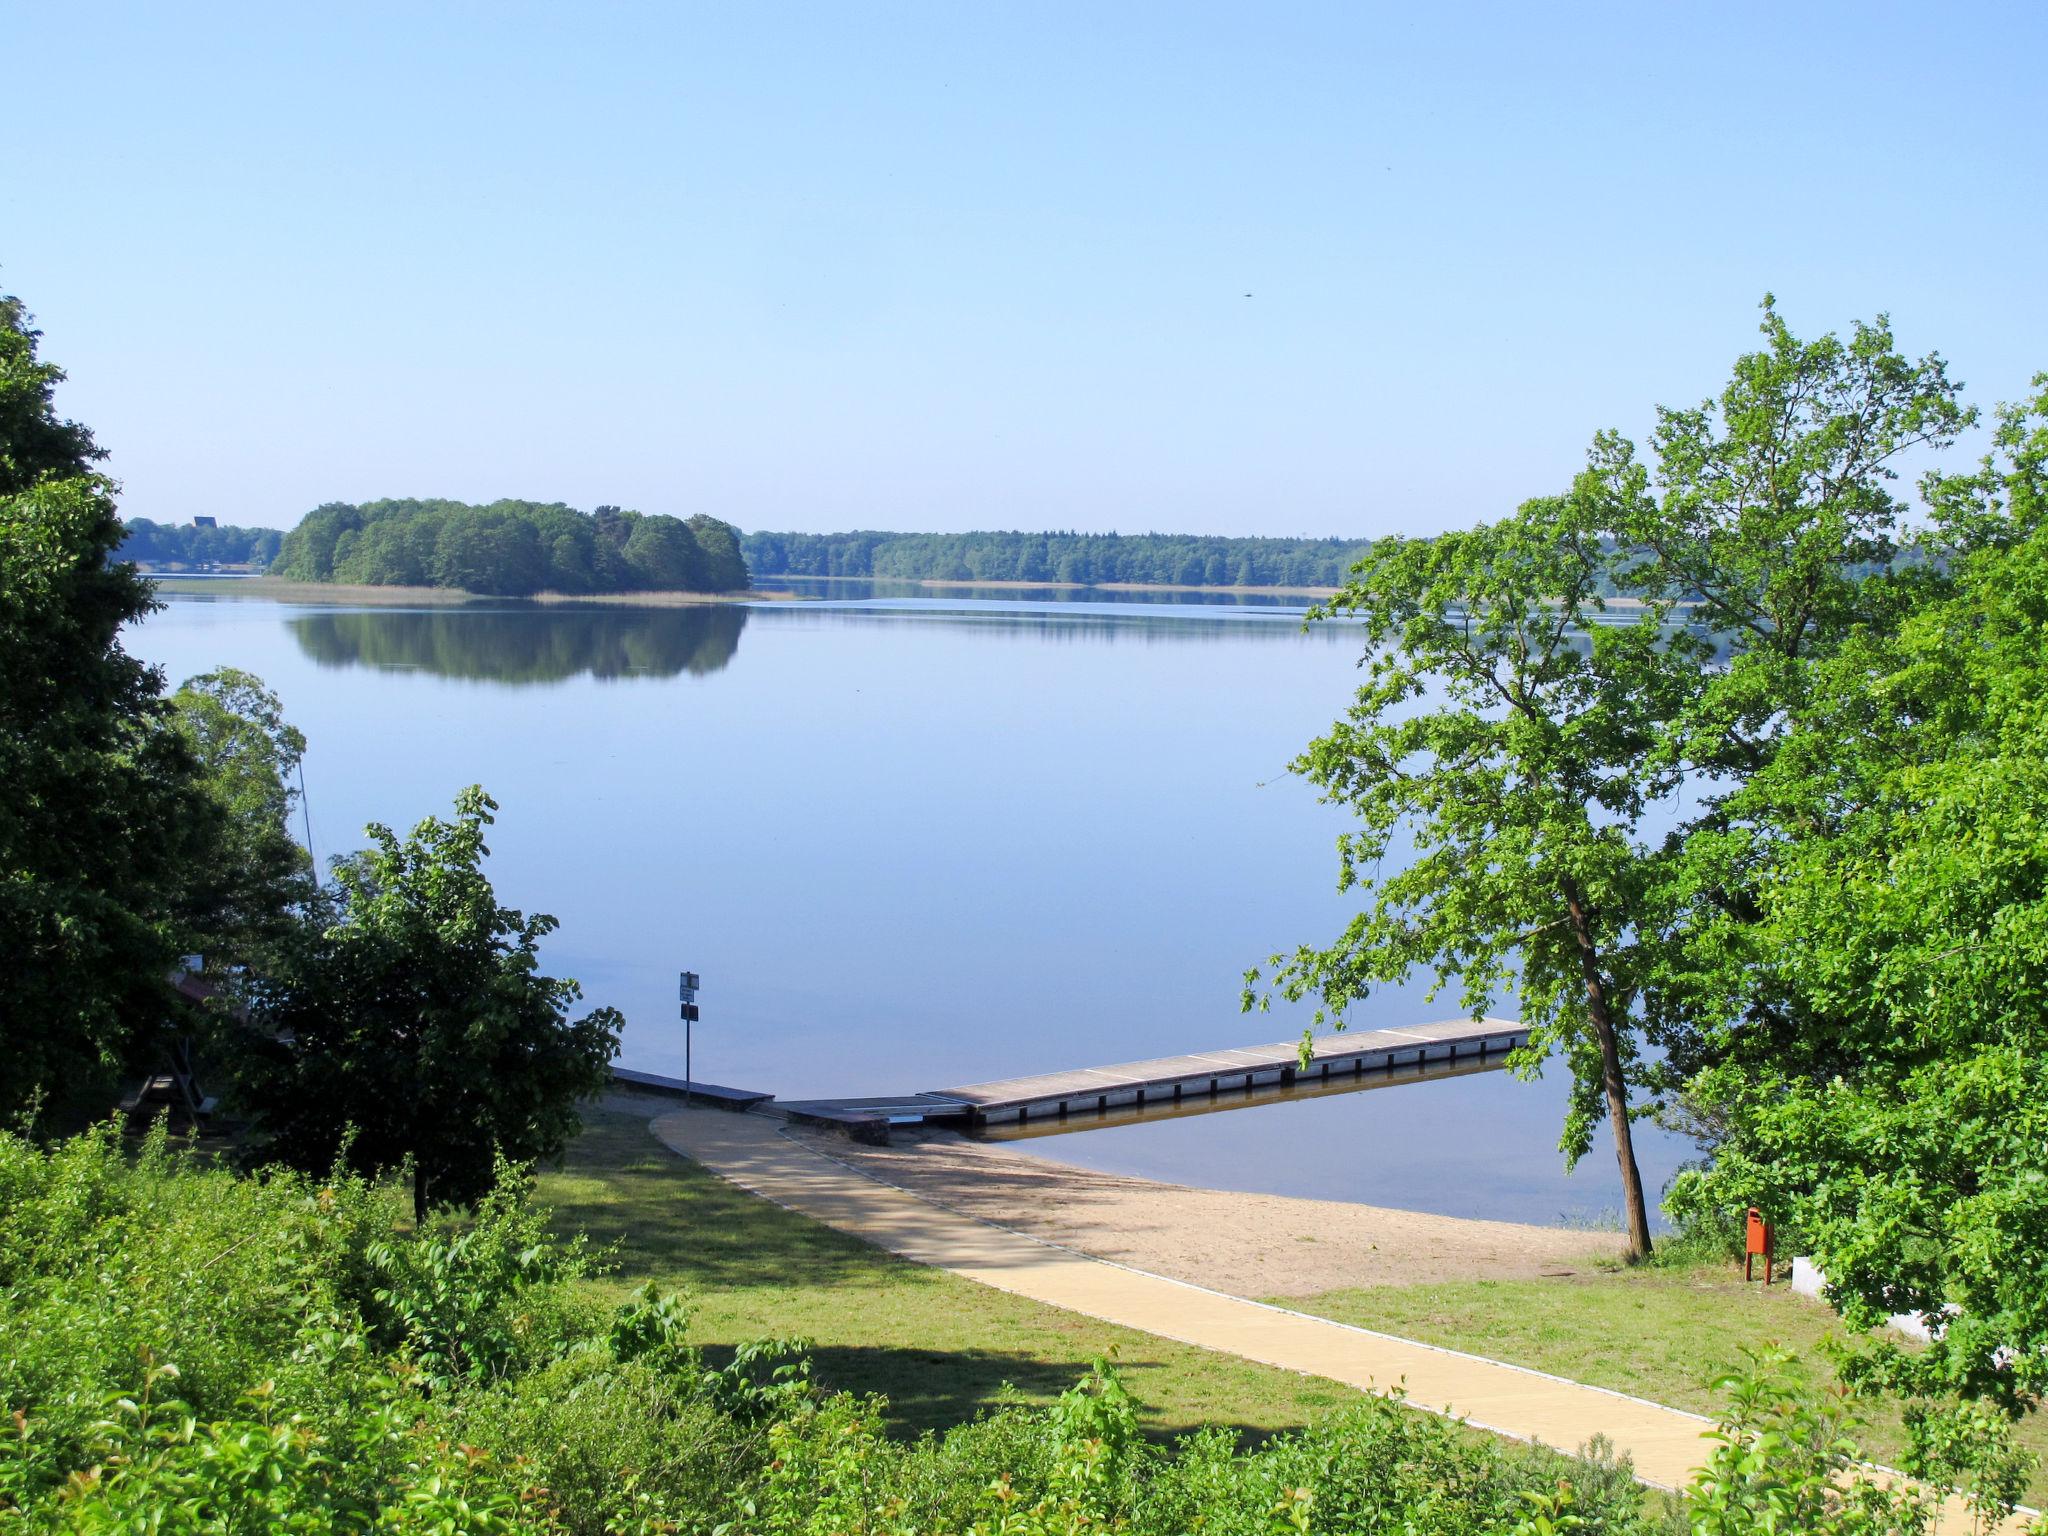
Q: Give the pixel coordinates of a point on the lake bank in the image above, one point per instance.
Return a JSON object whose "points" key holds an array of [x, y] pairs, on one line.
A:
{"points": [[1242, 1243], [278, 589], [933, 583]]}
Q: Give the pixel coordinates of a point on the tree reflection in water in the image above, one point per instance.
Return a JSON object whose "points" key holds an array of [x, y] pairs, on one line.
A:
{"points": [[529, 644]]}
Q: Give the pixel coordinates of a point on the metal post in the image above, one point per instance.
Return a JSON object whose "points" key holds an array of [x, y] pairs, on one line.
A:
{"points": [[686, 992]]}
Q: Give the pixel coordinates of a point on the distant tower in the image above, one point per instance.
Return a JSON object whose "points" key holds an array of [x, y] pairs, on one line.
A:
{"points": [[205, 522]]}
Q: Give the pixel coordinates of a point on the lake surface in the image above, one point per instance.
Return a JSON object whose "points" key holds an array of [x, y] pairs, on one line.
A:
{"points": [[910, 841]]}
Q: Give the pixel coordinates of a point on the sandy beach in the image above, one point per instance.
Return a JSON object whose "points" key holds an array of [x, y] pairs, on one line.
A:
{"points": [[1245, 1244]]}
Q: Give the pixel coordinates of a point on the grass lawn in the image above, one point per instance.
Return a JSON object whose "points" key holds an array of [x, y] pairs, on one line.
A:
{"points": [[1663, 1334], [939, 1347]]}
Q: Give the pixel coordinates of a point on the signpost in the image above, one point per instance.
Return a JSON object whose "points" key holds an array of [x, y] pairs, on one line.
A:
{"points": [[687, 994]]}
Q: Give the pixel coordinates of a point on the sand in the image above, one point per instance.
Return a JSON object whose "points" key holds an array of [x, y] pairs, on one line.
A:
{"points": [[1244, 1244]]}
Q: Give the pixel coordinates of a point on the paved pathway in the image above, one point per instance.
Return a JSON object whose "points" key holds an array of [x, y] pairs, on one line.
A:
{"points": [[755, 1152]]}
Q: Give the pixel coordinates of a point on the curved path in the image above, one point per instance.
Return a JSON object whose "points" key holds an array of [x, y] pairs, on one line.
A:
{"points": [[756, 1153]]}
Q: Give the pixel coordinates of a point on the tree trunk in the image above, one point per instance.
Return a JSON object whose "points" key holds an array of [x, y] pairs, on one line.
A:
{"points": [[1635, 1208]]}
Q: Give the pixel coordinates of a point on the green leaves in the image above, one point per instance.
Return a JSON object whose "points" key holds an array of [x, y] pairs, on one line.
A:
{"points": [[413, 1021], [95, 800], [1598, 739], [1499, 762]]}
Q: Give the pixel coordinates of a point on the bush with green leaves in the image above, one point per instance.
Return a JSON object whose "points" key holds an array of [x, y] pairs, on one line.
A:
{"points": [[186, 1349]]}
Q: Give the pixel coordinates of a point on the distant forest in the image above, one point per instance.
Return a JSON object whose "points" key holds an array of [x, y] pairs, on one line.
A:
{"points": [[1093, 559], [512, 548], [151, 543]]}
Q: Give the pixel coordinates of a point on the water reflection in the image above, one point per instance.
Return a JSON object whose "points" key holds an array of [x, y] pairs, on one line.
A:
{"points": [[526, 645]]}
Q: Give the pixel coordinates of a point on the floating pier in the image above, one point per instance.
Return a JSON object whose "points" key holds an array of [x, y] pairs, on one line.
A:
{"points": [[1198, 1081]]}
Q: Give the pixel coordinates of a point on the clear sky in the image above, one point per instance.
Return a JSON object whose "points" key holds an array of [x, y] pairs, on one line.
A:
{"points": [[1251, 268]]}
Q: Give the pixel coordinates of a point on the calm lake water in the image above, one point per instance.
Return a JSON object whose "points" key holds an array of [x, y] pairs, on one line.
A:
{"points": [[909, 841]]}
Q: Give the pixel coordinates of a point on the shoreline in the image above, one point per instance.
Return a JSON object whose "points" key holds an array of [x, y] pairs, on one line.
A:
{"points": [[363, 594], [1065, 586], [1244, 1244]]}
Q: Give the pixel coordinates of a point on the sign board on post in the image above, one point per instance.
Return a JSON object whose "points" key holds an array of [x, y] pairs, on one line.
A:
{"points": [[686, 991]]}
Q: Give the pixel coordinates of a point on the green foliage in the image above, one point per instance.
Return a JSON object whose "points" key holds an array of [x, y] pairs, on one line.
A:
{"points": [[1094, 559], [150, 543], [1580, 793], [1881, 1071], [94, 819], [512, 548], [475, 1302], [244, 884], [1520, 790], [416, 1027], [160, 1469], [1785, 1459], [186, 1350]]}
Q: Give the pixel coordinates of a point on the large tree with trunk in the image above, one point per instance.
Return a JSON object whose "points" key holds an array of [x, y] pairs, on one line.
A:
{"points": [[1564, 711], [1495, 757]]}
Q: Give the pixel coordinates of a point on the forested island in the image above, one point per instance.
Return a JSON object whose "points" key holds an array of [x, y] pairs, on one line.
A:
{"points": [[512, 548], [1085, 559]]}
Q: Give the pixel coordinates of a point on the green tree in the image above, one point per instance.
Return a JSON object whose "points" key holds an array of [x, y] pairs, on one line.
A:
{"points": [[664, 555], [1615, 786], [1882, 1085], [1771, 514], [1519, 785], [723, 567], [413, 1023], [94, 798], [244, 886]]}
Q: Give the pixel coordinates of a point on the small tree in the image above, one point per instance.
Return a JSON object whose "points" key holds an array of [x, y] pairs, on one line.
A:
{"points": [[412, 1022], [1520, 784], [245, 886]]}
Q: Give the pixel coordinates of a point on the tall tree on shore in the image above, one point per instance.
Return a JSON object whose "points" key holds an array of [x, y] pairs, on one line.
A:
{"points": [[1575, 790], [93, 794], [1520, 787]]}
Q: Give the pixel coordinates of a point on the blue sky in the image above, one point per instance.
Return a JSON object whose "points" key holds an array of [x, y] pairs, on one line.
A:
{"points": [[972, 265]]}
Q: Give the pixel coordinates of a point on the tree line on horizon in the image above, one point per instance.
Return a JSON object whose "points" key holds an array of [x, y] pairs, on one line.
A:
{"points": [[512, 548], [153, 543], [432, 543], [1086, 559]]}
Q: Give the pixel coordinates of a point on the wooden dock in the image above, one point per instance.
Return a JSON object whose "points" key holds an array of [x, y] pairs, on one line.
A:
{"points": [[1207, 1079], [1211, 1074]]}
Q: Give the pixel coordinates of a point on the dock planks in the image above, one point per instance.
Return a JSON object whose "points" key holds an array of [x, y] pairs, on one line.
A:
{"points": [[1212, 1073], [1221, 1078]]}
